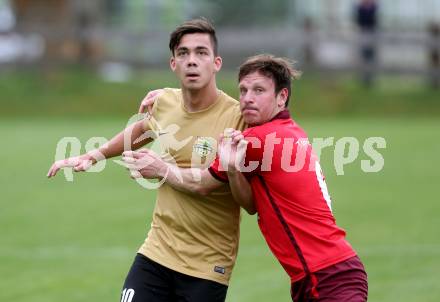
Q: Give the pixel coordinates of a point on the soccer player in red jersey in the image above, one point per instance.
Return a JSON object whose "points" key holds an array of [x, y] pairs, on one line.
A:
{"points": [[274, 162]]}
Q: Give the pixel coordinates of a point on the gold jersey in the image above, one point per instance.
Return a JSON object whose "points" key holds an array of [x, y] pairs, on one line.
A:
{"points": [[190, 234]]}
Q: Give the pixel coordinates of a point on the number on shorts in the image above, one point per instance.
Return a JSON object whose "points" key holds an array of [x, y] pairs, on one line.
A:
{"points": [[127, 295]]}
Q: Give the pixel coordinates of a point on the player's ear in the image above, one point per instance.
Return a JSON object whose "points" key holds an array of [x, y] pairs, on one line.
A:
{"points": [[218, 63], [282, 97], [173, 63]]}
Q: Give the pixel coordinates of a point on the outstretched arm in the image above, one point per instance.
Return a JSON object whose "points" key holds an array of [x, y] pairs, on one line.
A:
{"points": [[147, 164], [114, 147], [129, 136]]}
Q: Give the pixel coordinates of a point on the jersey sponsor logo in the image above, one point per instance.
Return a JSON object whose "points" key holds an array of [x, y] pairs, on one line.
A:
{"points": [[127, 295], [219, 269], [204, 146]]}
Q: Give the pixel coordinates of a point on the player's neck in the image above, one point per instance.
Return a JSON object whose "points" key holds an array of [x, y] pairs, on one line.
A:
{"points": [[276, 112], [196, 100]]}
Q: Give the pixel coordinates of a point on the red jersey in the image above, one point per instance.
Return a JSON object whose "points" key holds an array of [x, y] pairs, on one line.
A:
{"points": [[291, 198]]}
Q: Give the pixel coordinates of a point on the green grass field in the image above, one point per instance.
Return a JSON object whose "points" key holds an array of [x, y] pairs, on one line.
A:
{"points": [[74, 241]]}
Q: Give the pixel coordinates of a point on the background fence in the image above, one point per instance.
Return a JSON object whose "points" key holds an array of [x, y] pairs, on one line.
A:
{"points": [[136, 32]]}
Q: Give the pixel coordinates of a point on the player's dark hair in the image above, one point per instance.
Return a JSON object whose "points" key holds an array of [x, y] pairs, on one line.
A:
{"points": [[280, 70], [199, 25]]}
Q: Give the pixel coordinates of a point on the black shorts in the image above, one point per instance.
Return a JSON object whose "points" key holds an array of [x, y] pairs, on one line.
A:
{"points": [[148, 281]]}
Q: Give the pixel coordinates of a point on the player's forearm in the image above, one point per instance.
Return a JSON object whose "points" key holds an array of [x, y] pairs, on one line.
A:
{"points": [[120, 142], [189, 180], [241, 191]]}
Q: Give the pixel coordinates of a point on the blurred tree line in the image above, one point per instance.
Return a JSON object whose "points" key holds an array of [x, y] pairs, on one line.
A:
{"points": [[320, 34], [258, 12]]}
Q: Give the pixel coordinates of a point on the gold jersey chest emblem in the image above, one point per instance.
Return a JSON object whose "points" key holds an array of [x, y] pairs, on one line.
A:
{"points": [[204, 146]]}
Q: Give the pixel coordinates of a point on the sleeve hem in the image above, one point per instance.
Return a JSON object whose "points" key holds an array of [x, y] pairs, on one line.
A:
{"points": [[216, 176]]}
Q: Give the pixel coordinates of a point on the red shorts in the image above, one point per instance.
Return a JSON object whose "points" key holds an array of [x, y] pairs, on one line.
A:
{"points": [[344, 281]]}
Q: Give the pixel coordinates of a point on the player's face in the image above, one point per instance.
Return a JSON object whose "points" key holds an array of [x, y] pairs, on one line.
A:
{"points": [[258, 101], [194, 61]]}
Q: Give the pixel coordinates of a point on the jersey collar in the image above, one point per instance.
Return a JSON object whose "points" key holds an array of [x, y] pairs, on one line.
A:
{"points": [[282, 115]]}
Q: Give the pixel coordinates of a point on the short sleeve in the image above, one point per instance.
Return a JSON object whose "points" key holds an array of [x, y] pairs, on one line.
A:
{"points": [[217, 172]]}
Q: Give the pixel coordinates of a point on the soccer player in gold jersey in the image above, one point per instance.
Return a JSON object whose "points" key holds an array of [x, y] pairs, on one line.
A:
{"points": [[191, 247]]}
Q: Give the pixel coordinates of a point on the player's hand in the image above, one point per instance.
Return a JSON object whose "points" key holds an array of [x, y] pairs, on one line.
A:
{"points": [[78, 163], [148, 101], [232, 149], [144, 163]]}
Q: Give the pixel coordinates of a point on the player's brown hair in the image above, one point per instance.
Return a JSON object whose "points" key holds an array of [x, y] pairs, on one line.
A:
{"points": [[280, 70], [199, 25]]}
